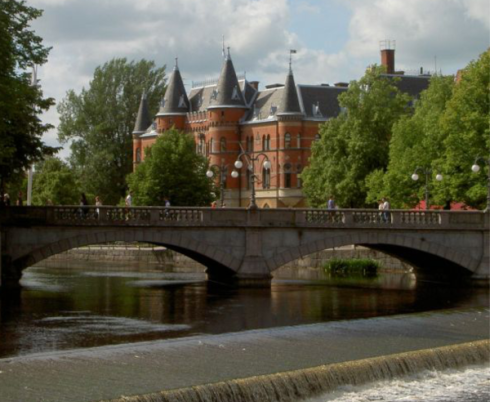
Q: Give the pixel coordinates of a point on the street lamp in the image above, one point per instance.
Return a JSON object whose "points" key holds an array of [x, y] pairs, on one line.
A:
{"points": [[222, 180], [476, 168], [251, 159], [427, 173]]}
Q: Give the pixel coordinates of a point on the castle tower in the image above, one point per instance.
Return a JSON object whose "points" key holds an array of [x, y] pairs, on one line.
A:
{"points": [[175, 104], [143, 122], [226, 108]]}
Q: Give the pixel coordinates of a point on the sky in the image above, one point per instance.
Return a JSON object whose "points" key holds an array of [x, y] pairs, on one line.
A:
{"points": [[335, 40]]}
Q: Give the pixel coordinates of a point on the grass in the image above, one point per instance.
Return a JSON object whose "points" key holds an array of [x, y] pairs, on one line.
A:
{"points": [[352, 267]]}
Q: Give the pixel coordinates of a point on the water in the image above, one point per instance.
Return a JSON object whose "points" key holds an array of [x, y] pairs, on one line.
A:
{"points": [[470, 385]]}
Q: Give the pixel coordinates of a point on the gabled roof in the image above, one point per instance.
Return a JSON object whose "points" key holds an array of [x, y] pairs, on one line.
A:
{"points": [[200, 97], [227, 93], [143, 120], [175, 101], [266, 105], [289, 102]]}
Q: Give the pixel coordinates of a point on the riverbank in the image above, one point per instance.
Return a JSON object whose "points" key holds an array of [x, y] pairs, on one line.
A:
{"points": [[161, 257], [108, 373]]}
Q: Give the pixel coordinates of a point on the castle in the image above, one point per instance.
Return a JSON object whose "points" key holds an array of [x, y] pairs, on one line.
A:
{"points": [[270, 130]]}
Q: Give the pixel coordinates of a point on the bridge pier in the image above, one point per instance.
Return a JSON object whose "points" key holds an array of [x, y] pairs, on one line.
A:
{"points": [[9, 275]]}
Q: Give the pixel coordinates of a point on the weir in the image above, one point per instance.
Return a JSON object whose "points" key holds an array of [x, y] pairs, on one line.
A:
{"points": [[295, 385]]}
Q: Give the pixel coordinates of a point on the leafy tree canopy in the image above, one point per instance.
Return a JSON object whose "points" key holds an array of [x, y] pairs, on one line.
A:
{"points": [[99, 121], [54, 183], [20, 102], [466, 122], [417, 142], [172, 169], [355, 143]]}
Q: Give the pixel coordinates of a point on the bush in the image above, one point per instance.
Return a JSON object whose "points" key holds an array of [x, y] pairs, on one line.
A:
{"points": [[353, 267]]}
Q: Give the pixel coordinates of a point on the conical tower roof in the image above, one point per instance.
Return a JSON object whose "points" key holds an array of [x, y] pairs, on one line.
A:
{"points": [[289, 102], [143, 120], [227, 93], [175, 101]]}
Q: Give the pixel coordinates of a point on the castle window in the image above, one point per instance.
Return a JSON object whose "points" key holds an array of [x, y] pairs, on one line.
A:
{"points": [[214, 94], [316, 110], [182, 102], [272, 111], [201, 149], [250, 144], [211, 145], [299, 182], [287, 140], [264, 143], [298, 141], [249, 179], [317, 137], [266, 178], [287, 175], [235, 94], [268, 142], [256, 114], [138, 155], [222, 144]]}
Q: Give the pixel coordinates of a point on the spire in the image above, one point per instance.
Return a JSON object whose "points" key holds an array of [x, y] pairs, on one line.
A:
{"points": [[289, 101], [143, 120], [175, 101], [227, 92]]}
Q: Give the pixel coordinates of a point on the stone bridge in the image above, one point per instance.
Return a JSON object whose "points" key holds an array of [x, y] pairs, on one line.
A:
{"points": [[247, 245]]}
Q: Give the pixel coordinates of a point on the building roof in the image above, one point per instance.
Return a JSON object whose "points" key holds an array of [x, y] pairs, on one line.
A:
{"points": [[143, 120], [227, 93], [413, 85], [289, 101], [320, 102], [175, 101]]}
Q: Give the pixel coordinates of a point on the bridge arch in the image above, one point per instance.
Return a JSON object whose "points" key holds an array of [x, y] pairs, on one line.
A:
{"points": [[406, 248], [218, 263]]}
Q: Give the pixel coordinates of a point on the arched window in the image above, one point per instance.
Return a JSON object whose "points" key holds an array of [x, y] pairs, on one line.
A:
{"points": [[250, 143], [299, 182], [249, 179], [264, 143], [201, 149], [222, 144], [298, 141], [317, 137], [268, 141], [138, 155], [211, 145], [287, 175], [266, 178], [287, 140]]}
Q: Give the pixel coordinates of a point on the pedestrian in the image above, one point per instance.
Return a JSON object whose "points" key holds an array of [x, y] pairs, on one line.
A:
{"points": [[83, 206], [20, 198], [129, 200], [6, 200], [213, 204], [166, 202], [331, 203], [98, 203], [386, 209]]}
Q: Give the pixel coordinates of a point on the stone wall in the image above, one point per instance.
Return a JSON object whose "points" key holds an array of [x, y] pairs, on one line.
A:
{"points": [[161, 256]]}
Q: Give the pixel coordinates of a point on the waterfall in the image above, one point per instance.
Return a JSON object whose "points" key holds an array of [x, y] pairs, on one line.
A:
{"points": [[295, 385]]}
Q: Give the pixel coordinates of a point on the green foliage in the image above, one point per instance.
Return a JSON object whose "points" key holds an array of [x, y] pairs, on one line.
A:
{"points": [[417, 142], [99, 121], [20, 102], [172, 169], [54, 183], [466, 122], [355, 143], [352, 267]]}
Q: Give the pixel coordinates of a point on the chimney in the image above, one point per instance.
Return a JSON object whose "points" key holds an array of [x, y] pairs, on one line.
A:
{"points": [[388, 55]]}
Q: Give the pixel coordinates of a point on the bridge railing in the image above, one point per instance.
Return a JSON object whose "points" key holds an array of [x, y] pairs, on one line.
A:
{"points": [[185, 216]]}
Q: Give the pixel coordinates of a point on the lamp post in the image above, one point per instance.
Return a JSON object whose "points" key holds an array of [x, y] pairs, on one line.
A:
{"points": [[222, 180], [476, 168], [251, 159], [428, 173]]}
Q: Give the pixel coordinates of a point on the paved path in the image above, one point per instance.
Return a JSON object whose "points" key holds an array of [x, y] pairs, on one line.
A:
{"points": [[108, 372]]}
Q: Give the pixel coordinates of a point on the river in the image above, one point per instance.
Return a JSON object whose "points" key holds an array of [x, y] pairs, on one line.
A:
{"points": [[66, 306]]}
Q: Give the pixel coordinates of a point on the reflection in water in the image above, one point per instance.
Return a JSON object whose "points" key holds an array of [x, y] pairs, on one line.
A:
{"points": [[63, 308]]}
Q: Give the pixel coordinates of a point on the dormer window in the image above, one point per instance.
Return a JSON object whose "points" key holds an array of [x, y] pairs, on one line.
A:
{"points": [[272, 111], [235, 94], [199, 100], [316, 110], [162, 102], [256, 114], [182, 102], [214, 94]]}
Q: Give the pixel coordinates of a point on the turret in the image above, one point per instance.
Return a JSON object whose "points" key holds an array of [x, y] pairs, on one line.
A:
{"points": [[143, 122], [175, 104]]}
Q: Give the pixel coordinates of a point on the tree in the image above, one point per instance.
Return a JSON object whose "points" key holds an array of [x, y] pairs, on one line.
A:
{"points": [[99, 121], [20, 102], [467, 123], [172, 169], [417, 141], [355, 143], [54, 182]]}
